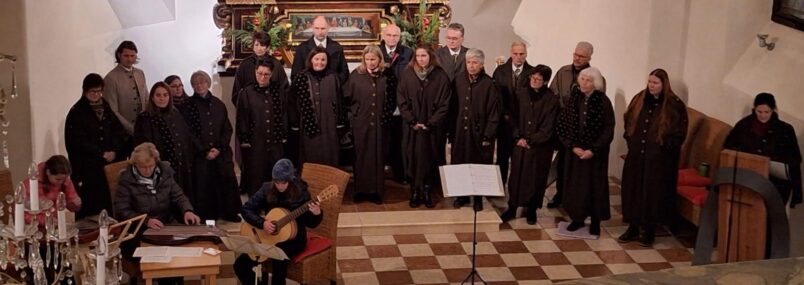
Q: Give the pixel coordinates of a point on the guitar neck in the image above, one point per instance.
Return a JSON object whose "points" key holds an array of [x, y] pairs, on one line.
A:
{"points": [[293, 215]]}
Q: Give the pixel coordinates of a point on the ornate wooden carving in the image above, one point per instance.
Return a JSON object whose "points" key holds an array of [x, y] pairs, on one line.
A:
{"points": [[229, 14]]}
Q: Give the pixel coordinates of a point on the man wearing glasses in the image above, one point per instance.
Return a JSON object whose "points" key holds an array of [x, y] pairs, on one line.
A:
{"points": [[452, 57]]}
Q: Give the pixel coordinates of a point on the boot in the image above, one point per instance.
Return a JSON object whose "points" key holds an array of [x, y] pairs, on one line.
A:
{"points": [[631, 234], [509, 214], [647, 236], [594, 227], [575, 225], [426, 199], [415, 199], [530, 215]]}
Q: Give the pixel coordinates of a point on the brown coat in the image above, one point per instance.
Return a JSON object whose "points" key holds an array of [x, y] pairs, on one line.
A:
{"points": [[127, 94], [423, 102], [372, 101], [478, 113]]}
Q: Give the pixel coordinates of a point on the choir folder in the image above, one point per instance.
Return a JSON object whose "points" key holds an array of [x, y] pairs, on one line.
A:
{"points": [[460, 180]]}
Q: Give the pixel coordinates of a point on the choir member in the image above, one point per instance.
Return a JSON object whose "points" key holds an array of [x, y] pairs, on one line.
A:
{"points": [[177, 90], [397, 57], [317, 110], [763, 133], [655, 129], [586, 129], [423, 98], [125, 87], [371, 93], [164, 126], [261, 126], [337, 59], [478, 113], [215, 192], [244, 76], [535, 110], [452, 56], [93, 137]]}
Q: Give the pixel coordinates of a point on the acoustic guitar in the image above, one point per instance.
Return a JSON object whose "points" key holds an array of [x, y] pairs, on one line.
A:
{"points": [[285, 222]]}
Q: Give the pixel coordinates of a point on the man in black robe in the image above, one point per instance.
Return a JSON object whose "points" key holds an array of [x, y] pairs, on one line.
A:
{"points": [[397, 57], [508, 77], [337, 60], [478, 115]]}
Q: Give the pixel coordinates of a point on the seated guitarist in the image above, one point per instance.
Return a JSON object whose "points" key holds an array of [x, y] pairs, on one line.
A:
{"points": [[285, 191]]}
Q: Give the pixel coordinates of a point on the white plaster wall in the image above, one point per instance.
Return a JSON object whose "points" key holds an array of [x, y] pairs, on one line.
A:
{"points": [[79, 37]]}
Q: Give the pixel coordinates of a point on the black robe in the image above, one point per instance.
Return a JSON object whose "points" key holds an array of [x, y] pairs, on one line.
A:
{"points": [[336, 60], [586, 182], [87, 138], [650, 172], [215, 193], [507, 85], [424, 102], [372, 101], [245, 75], [317, 109], [167, 130], [779, 144], [533, 120], [478, 113], [262, 125]]}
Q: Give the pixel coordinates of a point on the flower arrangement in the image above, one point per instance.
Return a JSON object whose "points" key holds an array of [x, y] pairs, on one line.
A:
{"points": [[420, 29], [263, 21]]}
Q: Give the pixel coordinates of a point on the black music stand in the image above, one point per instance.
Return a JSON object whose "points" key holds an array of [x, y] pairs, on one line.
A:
{"points": [[477, 206]]}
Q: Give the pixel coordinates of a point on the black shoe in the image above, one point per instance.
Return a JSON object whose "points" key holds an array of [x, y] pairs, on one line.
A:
{"points": [[427, 200], [530, 215], [594, 227], [460, 202], [647, 237], [553, 204], [632, 234], [509, 214], [375, 198], [574, 226], [415, 199]]}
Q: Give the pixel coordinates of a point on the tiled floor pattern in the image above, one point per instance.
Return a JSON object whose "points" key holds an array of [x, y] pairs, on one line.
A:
{"points": [[518, 254]]}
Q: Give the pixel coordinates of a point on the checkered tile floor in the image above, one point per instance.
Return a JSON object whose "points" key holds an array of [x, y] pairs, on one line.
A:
{"points": [[518, 254]]}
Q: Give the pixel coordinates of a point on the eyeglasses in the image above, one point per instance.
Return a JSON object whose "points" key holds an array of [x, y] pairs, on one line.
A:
{"points": [[579, 55], [263, 74]]}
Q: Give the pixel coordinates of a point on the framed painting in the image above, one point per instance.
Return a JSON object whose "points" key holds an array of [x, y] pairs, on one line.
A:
{"points": [[344, 26], [789, 13]]}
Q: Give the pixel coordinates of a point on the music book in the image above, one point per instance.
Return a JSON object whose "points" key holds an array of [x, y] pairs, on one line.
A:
{"points": [[460, 180], [241, 244]]}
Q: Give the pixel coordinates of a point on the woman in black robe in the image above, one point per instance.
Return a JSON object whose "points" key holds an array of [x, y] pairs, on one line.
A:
{"points": [[655, 129], [763, 133], [371, 95], [164, 126], [317, 111], [215, 194], [176, 90], [423, 98], [261, 127], [477, 113], [534, 114], [586, 129], [94, 137]]}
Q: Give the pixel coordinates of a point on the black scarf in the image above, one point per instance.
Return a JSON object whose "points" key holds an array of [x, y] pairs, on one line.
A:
{"points": [[390, 96], [569, 125], [302, 90], [165, 133]]}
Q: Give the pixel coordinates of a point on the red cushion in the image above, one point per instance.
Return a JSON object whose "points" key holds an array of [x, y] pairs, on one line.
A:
{"points": [[315, 244], [690, 177], [696, 195]]}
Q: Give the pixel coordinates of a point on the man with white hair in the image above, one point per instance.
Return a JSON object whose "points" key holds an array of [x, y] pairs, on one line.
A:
{"points": [[397, 57], [478, 113], [337, 60], [508, 77], [565, 81]]}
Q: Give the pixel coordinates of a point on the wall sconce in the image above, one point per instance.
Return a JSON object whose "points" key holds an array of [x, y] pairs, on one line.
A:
{"points": [[762, 39]]}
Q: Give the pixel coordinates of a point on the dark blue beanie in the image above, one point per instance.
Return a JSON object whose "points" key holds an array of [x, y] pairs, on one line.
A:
{"points": [[283, 170]]}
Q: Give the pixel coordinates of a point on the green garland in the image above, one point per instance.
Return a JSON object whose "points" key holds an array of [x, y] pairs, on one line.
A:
{"points": [[262, 22], [420, 30]]}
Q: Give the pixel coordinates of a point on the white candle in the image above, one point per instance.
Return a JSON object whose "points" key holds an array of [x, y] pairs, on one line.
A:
{"points": [[34, 194], [19, 219], [62, 226], [100, 265]]}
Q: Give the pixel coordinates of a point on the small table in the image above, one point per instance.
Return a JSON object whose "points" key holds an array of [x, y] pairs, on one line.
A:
{"points": [[205, 265]]}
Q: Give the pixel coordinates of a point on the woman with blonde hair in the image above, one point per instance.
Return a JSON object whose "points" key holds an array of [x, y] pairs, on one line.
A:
{"points": [[371, 95]]}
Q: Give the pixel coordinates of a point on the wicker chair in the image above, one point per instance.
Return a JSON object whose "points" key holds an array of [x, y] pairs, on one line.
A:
{"points": [[112, 172], [321, 266]]}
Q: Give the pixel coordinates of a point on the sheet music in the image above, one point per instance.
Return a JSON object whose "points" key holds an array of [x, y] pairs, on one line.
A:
{"points": [[779, 170], [471, 180], [156, 259], [167, 251]]}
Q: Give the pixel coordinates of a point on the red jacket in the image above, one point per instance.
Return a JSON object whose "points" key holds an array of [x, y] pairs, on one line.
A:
{"points": [[51, 192]]}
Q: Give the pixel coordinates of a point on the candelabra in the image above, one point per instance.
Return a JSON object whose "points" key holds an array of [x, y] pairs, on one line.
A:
{"points": [[4, 120]]}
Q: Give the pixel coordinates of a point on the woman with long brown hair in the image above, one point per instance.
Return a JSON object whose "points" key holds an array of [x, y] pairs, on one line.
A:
{"points": [[423, 98], [655, 129]]}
